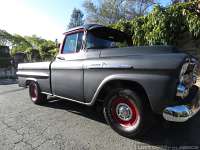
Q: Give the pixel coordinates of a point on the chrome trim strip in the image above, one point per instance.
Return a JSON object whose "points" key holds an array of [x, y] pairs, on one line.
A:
{"points": [[69, 99], [93, 66], [179, 113], [118, 67], [107, 66], [66, 98]]}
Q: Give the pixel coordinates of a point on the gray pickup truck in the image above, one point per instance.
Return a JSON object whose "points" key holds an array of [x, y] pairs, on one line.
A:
{"points": [[99, 64]]}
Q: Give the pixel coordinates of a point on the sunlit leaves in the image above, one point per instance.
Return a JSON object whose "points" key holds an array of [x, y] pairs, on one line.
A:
{"points": [[162, 25]]}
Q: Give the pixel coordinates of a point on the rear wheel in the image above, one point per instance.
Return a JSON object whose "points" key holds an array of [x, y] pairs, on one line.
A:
{"points": [[35, 94], [126, 113]]}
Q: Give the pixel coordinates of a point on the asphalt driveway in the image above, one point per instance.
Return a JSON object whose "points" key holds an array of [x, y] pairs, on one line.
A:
{"points": [[60, 124]]}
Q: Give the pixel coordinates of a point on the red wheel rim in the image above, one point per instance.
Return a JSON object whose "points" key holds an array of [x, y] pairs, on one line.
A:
{"points": [[33, 91], [125, 112]]}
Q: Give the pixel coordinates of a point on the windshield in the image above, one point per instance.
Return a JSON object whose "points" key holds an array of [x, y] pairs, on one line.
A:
{"points": [[101, 39]]}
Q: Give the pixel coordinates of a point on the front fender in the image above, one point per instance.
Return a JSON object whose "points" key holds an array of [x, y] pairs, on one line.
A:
{"points": [[159, 88]]}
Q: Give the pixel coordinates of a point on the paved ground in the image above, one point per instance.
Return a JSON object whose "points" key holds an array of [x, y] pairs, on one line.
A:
{"points": [[65, 125]]}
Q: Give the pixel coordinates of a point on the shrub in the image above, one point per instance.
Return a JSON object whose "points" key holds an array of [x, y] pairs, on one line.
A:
{"points": [[163, 25]]}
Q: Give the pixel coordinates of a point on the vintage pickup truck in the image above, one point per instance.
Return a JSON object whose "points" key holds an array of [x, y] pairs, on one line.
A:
{"points": [[98, 64]]}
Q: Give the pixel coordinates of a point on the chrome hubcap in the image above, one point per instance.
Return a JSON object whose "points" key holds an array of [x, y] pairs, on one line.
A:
{"points": [[124, 112]]}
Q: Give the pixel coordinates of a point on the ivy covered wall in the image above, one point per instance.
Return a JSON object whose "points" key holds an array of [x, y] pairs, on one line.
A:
{"points": [[177, 25]]}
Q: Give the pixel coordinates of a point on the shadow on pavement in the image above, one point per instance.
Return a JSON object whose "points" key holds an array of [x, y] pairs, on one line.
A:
{"points": [[86, 111], [163, 134], [175, 134]]}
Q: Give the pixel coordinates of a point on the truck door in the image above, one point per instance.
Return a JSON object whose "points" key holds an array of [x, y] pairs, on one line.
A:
{"points": [[67, 69]]}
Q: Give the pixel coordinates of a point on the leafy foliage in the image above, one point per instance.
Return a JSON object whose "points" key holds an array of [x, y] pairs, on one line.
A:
{"points": [[20, 44], [31, 45], [163, 25]]}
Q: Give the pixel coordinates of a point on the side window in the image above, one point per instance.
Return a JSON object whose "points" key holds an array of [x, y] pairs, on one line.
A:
{"points": [[70, 43]]}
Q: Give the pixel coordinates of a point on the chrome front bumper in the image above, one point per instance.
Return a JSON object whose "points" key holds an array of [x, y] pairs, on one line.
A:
{"points": [[179, 113]]}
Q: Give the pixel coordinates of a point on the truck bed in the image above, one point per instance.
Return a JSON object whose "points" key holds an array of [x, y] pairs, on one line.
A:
{"points": [[39, 71]]}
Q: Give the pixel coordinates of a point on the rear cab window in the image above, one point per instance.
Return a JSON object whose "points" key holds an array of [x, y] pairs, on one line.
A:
{"points": [[106, 38]]}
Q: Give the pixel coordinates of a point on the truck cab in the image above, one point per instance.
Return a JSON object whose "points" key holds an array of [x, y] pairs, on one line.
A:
{"points": [[80, 50]]}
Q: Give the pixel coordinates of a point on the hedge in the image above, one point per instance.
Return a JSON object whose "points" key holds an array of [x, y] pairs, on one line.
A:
{"points": [[163, 25]]}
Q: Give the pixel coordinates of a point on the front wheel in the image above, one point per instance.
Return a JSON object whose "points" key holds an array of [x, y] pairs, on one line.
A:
{"points": [[125, 111], [35, 94]]}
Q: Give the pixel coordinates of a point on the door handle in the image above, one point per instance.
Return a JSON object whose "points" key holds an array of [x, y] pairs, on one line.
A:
{"points": [[61, 58]]}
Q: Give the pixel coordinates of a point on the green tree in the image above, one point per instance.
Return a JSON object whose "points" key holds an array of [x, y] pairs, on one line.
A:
{"points": [[34, 46], [76, 18], [164, 25], [111, 11], [30, 45], [45, 48], [20, 44]]}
